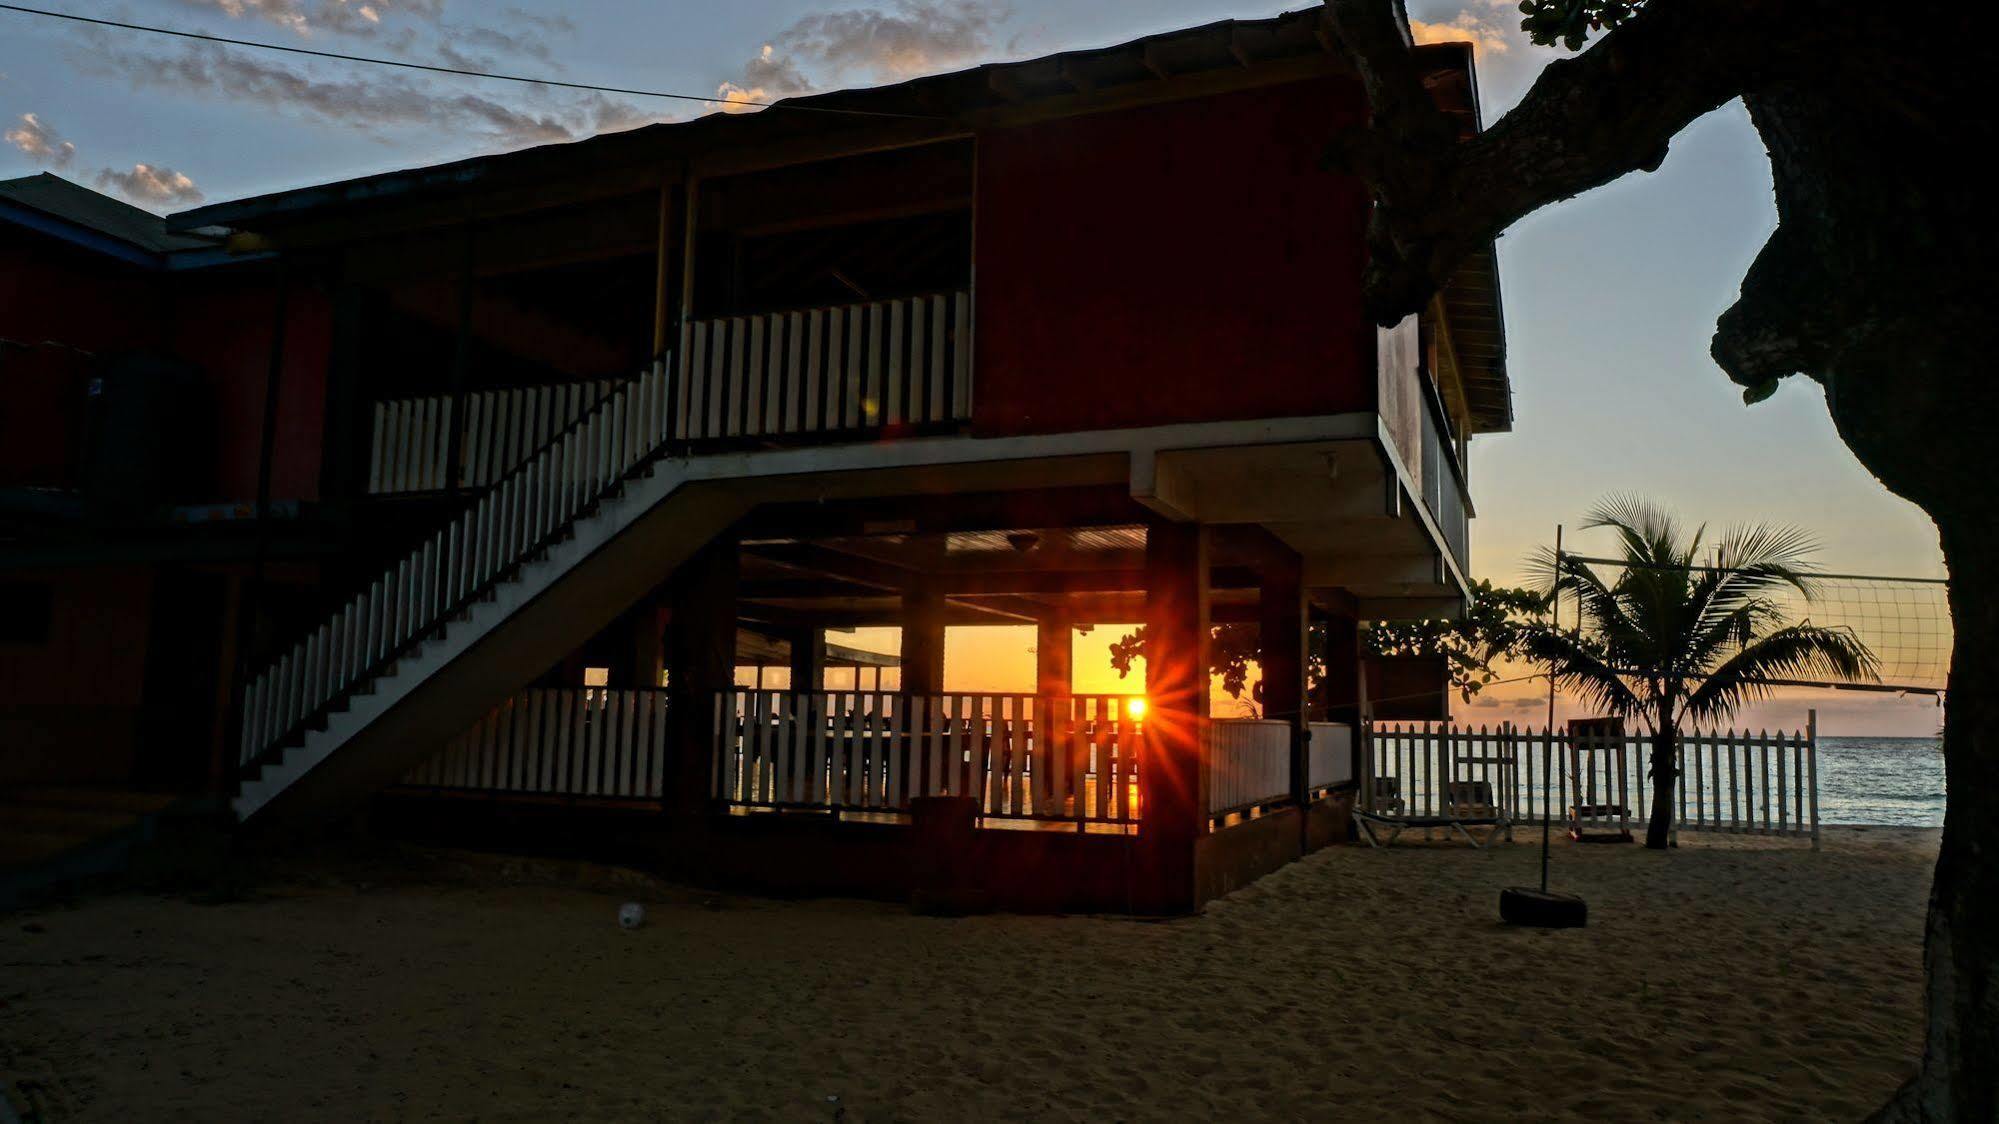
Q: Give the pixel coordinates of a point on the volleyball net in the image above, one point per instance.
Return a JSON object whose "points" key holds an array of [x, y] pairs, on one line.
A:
{"points": [[1905, 622]]}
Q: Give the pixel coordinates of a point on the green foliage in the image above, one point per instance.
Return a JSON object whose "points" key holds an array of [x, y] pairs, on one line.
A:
{"points": [[1674, 640], [1231, 649], [1496, 626], [1572, 22]]}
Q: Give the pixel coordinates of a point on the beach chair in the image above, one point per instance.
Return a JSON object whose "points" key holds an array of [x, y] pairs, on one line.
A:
{"points": [[1457, 818]]}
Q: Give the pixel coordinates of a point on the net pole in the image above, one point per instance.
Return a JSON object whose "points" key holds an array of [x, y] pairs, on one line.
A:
{"points": [[1548, 733]]}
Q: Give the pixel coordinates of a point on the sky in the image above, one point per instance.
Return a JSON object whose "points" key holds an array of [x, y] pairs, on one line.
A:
{"points": [[1610, 297]]}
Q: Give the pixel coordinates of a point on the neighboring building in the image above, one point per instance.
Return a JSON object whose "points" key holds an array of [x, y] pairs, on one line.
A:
{"points": [[133, 366], [1067, 342]]}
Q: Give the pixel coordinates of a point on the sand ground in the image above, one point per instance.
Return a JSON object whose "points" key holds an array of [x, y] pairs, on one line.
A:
{"points": [[1727, 980]]}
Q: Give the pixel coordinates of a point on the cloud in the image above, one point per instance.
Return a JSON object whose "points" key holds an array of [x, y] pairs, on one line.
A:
{"points": [[304, 17], [373, 104], [145, 184], [1485, 36], [915, 37], [906, 39], [41, 143], [151, 184], [767, 77]]}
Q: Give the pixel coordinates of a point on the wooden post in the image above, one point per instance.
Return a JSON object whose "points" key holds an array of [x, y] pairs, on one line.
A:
{"points": [[701, 650], [1812, 768], [1174, 799], [250, 607], [461, 363], [1281, 635], [1342, 687], [808, 659], [645, 644], [922, 638], [1054, 652], [665, 307]]}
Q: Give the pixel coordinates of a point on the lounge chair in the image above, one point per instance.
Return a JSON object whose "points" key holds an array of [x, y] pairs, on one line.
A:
{"points": [[1467, 804]]}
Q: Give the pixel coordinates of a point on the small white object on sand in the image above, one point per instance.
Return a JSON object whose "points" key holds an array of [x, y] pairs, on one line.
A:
{"points": [[631, 915]]}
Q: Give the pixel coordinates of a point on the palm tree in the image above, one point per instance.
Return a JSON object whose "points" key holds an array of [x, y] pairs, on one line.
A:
{"points": [[1672, 639]]}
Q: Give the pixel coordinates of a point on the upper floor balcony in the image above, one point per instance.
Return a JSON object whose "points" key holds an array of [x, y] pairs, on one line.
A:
{"points": [[823, 287]]}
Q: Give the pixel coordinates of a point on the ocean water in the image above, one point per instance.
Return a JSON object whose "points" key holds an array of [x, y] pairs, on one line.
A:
{"points": [[1896, 781]]}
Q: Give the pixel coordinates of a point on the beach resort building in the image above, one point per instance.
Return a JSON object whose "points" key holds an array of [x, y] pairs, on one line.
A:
{"points": [[529, 501]]}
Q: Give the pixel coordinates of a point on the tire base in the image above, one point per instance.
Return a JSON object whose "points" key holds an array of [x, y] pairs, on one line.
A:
{"points": [[1538, 909]]}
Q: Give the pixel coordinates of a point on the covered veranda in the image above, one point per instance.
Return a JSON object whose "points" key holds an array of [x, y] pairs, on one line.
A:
{"points": [[750, 698]]}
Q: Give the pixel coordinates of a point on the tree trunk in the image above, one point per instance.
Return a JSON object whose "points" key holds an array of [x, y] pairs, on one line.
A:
{"points": [[1665, 766], [1878, 284], [1959, 1078]]}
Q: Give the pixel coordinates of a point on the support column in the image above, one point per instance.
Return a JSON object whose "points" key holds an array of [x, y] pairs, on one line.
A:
{"points": [[808, 659], [1173, 777], [645, 643], [1340, 693], [701, 650], [1281, 657], [1055, 653], [922, 639]]}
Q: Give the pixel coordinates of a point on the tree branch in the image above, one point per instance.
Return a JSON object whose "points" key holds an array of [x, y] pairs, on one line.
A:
{"points": [[1586, 121]]}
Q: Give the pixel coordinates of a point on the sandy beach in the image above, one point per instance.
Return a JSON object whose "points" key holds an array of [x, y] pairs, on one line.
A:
{"points": [[1727, 980]]}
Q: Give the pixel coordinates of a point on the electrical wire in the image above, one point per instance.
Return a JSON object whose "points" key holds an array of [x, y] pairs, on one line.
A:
{"points": [[461, 72]]}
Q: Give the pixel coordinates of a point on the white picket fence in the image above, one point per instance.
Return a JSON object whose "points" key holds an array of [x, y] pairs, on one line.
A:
{"points": [[513, 520], [1020, 756], [850, 367], [412, 440], [568, 741], [1740, 782]]}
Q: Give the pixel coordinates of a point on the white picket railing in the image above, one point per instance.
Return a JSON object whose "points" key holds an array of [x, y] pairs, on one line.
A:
{"points": [[1020, 756], [1249, 763], [852, 367], [1741, 782], [412, 440], [1329, 756], [509, 524], [569, 741]]}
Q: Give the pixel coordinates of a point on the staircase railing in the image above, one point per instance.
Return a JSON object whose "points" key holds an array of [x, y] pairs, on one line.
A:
{"points": [[413, 436], [512, 521]]}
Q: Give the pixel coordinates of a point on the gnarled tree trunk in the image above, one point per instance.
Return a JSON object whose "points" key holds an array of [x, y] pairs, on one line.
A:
{"points": [[1878, 284]]}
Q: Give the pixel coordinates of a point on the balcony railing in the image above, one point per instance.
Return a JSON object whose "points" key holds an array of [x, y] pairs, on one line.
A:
{"points": [[1443, 490], [1249, 763], [858, 367]]}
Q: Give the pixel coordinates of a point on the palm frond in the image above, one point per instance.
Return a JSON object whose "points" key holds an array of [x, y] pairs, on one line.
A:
{"points": [[1801, 651], [1582, 669]]}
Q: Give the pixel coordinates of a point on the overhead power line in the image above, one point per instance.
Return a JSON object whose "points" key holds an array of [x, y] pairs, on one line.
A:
{"points": [[463, 73]]}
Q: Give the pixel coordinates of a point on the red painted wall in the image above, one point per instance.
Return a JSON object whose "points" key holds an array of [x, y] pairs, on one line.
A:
{"points": [[1187, 261], [59, 305], [222, 323], [68, 305]]}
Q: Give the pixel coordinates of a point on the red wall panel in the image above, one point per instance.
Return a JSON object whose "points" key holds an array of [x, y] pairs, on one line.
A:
{"points": [[1186, 261], [223, 325]]}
